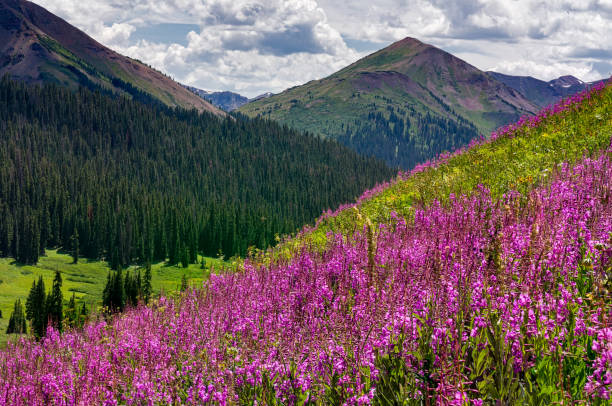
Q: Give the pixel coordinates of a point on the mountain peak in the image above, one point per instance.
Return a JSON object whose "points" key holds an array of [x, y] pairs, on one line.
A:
{"points": [[398, 100], [566, 81], [408, 42]]}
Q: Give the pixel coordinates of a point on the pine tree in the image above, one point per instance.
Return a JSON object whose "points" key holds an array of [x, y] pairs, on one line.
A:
{"points": [[17, 321], [82, 317], [72, 312], [55, 302], [146, 285], [184, 284], [118, 292], [184, 256], [36, 308], [75, 246], [106, 294]]}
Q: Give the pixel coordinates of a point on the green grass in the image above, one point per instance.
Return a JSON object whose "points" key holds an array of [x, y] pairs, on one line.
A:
{"points": [[86, 279], [517, 163]]}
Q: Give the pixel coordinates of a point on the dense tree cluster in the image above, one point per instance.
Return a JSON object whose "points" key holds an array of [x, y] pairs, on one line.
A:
{"points": [[404, 140], [130, 290], [115, 179], [17, 322], [43, 309]]}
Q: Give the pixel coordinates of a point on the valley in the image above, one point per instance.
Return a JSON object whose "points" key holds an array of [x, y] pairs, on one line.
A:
{"points": [[404, 229]]}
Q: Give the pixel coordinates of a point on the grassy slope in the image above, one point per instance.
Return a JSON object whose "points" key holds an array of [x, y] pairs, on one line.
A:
{"points": [[520, 163], [86, 279]]}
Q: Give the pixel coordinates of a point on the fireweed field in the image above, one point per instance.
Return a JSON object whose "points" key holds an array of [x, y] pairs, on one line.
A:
{"points": [[491, 297]]}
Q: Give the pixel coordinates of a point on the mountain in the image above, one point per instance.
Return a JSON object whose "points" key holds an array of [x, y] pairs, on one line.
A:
{"points": [[227, 101], [37, 46], [405, 104], [540, 92]]}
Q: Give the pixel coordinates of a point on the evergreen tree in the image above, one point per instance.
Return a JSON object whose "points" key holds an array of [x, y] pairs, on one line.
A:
{"points": [[146, 285], [106, 293], [118, 291], [17, 321], [83, 314], [184, 256], [55, 302], [114, 294], [184, 284], [72, 312], [132, 287], [75, 246], [36, 308]]}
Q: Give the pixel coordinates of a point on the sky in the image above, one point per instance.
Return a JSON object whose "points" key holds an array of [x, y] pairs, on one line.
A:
{"points": [[257, 46]]}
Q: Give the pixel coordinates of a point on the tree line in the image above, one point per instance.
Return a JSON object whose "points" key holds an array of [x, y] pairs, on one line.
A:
{"points": [[115, 179]]}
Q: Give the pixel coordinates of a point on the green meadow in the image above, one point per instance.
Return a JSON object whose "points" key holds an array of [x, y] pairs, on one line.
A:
{"points": [[86, 279]]}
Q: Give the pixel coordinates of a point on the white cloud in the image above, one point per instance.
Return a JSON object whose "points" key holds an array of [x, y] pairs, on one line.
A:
{"points": [[253, 46], [553, 37]]}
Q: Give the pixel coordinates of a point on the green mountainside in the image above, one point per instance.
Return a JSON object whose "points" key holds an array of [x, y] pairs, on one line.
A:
{"points": [[37, 47], [405, 104], [129, 182]]}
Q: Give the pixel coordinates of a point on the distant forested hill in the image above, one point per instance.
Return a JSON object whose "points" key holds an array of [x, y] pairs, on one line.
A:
{"points": [[121, 180]]}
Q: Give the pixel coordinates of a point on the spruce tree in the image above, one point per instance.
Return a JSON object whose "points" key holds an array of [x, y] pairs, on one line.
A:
{"points": [[72, 312], [114, 295], [36, 308], [184, 284], [82, 317], [146, 285], [118, 292], [75, 246], [184, 256], [106, 294], [17, 321], [55, 302]]}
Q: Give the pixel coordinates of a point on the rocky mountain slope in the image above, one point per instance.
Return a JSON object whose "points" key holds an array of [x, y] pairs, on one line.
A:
{"points": [[36, 46]]}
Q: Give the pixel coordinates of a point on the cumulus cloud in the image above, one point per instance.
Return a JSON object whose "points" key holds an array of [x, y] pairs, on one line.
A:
{"points": [[253, 46], [543, 39]]}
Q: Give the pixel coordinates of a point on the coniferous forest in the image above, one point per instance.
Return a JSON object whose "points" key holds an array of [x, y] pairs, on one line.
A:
{"points": [[115, 179], [403, 137]]}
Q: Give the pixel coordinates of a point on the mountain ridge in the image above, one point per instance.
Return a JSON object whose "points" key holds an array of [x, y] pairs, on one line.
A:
{"points": [[38, 46], [541, 92]]}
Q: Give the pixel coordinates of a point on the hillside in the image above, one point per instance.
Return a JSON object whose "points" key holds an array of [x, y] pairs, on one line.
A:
{"points": [[516, 157], [405, 104], [491, 285], [540, 92], [39, 47], [129, 182]]}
